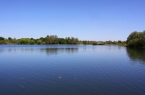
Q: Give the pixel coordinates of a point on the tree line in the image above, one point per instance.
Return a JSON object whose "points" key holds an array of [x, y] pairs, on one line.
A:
{"points": [[49, 39], [54, 39], [135, 39]]}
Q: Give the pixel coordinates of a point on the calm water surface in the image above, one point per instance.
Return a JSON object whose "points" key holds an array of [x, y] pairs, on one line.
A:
{"points": [[71, 70]]}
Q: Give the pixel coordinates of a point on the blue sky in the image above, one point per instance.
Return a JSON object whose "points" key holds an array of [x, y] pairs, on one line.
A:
{"points": [[98, 20]]}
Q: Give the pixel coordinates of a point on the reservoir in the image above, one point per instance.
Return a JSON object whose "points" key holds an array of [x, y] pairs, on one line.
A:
{"points": [[71, 70]]}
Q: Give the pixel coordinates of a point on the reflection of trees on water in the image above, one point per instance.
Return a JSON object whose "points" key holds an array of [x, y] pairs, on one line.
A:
{"points": [[136, 54], [11, 50], [1, 50], [55, 51], [49, 51]]}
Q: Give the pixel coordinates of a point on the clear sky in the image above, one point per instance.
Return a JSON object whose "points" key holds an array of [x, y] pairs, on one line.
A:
{"points": [[98, 20]]}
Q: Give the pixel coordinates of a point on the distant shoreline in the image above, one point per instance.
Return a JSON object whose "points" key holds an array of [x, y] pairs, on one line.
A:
{"points": [[54, 39]]}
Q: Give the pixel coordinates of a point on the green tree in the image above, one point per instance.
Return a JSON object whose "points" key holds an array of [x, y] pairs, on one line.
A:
{"points": [[9, 38], [24, 41], [2, 38], [136, 39], [52, 39], [39, 42], [62, 41], [14, 41], [108, 42]]}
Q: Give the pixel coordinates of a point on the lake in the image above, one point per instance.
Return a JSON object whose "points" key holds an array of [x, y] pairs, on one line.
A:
{"points": [[71, 70]]}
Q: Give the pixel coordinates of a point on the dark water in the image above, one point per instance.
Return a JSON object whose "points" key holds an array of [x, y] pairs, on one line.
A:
{"points": [[71, 70]]}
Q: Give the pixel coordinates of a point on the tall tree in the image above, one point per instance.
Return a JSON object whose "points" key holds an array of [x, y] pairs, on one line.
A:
{"points": [[136, 39], [52, 39]]}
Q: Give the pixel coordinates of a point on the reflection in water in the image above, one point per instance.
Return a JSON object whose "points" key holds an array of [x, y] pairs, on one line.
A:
{"points": [[49, 51], [136, 54], [11, 50], [55, 51], [76, 70], [1, 50]]}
